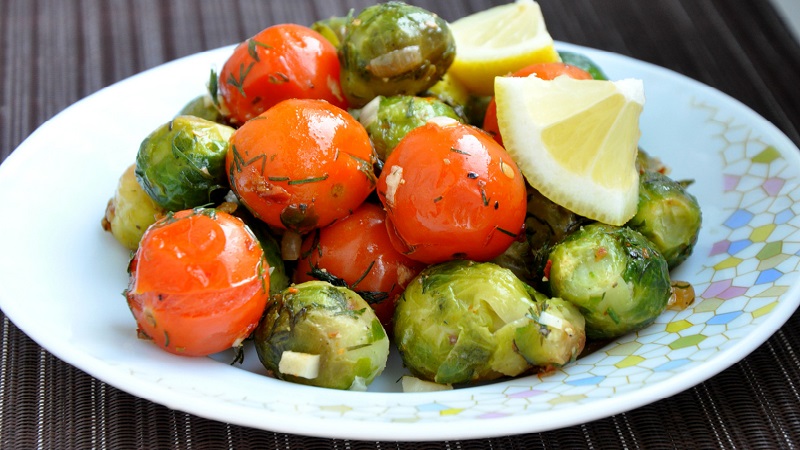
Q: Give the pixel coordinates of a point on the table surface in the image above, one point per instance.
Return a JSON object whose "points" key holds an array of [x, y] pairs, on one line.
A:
{"points": [[55, 52]]}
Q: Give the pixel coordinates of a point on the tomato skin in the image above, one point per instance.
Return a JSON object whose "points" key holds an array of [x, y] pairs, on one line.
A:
{"points": [[301, 165], [357, 250], [280, 62], [199, 282], [451, 192], [545, 71]]}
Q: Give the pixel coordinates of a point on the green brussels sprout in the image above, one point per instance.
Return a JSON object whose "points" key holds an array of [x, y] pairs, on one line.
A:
{"points": [[668, 215], [460, 321], [647, 163], [322, 335], [546, 222], [394, 48], [203, 107], [182, 163], [388, 119], [615, 276], [518, 258], [583, 62], [278, 277], [451, 91], [334, 28], [557, 335], [130, 211]]}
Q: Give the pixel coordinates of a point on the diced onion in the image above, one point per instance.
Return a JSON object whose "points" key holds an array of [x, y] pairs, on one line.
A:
{"points": [[304, 365], [413, 384], [550, 320]]}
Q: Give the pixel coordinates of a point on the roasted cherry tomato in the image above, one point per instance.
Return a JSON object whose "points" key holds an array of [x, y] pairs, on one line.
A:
{"points": [[199, 282], [451, 192], [545, 71], [301, 165], [356, 252], [283, 61]]}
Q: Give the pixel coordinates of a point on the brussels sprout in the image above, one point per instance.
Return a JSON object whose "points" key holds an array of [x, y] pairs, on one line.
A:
{"points": [[615, 276], [130, 211], [334, 28], [451, 91], [182, 163], [518, 258], [647, 163], [557, 335], [668, 215], [278, 278], [388, 119], [394, 48], [203, 107], [460, 321], [547, 223], [583, 62], [344, 343]]}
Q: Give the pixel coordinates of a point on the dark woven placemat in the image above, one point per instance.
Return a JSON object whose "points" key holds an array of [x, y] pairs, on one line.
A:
{"points": [[55, 52]]}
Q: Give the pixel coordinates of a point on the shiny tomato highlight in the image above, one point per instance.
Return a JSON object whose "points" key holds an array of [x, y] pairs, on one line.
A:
{"points": [[451, 192], [281, 62], [356, 251], [199, 282], [301, 165]]}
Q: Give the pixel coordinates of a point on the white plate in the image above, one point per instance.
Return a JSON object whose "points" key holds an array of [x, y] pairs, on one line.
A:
{"points": [[61, 275]]}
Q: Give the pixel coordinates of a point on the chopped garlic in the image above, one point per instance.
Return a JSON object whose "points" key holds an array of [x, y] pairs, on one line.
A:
{"points": [[303, 365], [550, 320], [412, 384], [393, 181]]}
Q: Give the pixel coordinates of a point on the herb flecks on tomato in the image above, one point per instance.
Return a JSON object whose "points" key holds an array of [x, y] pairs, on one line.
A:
{"points": [[451, 192], [356, 252], [280, 62], [199, 282], [301, 165]]}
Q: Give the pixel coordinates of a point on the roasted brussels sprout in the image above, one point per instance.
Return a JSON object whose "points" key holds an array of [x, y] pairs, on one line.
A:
{"points": [[278, 278], [334, 28], [203, 107], [668, 215], [130, 211], [546, 222], [648, 163], [388, 119], [182, 163], [322, 335], [463, 321], [584, 62], [393, 48], [452, 92], [556, 334], [518, 258], [614, 275]]}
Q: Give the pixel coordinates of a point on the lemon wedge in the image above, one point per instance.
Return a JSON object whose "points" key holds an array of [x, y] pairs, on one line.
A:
{"points": [[575, 141], [498, 41]]}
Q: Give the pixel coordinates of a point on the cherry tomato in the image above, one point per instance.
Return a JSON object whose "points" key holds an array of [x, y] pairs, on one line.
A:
{"points": [[301, 165], [451, 192], [283, 61], [545, 71], [356, 252], [199, 282]]}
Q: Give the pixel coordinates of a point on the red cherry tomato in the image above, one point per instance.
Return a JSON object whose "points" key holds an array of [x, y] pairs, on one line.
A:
{"points": [[301, 165], [357, 251], [545, 71], [451, 192], [199, 282], [283, 61]]}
